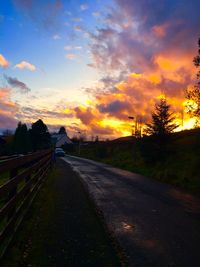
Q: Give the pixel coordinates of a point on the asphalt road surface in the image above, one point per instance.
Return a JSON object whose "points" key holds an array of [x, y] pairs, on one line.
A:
{"points": [[156, 224]]}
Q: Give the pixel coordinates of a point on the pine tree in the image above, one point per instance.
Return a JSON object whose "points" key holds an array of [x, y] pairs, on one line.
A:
{"points": [[161, 126], [162, 120]]}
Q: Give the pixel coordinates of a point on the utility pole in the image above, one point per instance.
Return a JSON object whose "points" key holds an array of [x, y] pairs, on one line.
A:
{"points": [[182, 118], [79, 143]]}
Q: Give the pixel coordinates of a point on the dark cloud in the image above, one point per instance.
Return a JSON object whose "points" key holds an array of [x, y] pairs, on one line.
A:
{"points": [[113, 107], [153, 12], [14, 82], [85, 115]]}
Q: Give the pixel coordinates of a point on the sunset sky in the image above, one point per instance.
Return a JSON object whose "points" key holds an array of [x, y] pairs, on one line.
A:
{"points": [[88, 65]]}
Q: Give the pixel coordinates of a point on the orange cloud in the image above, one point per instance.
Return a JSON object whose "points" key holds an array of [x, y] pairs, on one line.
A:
{"points": [[137, 93], [8, 109], [71, 56], [3, 62], [25, 65]]}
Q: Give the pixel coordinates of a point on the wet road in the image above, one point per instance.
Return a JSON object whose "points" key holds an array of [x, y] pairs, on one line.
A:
{"points": [[156, 224]]}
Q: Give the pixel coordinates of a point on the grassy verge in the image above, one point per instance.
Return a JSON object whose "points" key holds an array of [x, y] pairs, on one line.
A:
{"points": [[180, 166]]}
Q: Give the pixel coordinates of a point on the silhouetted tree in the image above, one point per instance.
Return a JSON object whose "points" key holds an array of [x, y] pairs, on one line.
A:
{"points": [[62, 130], [40, 136], [96, 139], [21, 140], [162, 120], [161, 126], [193, 93]]}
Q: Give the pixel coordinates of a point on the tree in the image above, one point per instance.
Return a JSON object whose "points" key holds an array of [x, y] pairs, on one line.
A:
{"points": [[40, 136], [161, 126], [96, 139], [62, 130], [162, 120], [193, 93], [21, 139]]}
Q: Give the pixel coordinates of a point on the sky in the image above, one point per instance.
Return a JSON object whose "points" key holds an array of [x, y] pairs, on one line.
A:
{"points": [[89, 65]]}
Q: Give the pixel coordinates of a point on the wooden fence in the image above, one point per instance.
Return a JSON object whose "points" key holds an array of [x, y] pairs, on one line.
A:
{"points": [[24, 176]]}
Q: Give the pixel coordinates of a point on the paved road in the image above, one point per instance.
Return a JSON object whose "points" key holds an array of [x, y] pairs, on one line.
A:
{"points": [[155, 223]]}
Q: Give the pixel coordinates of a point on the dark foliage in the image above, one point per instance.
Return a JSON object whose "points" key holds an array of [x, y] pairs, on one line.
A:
{"points": [[40, 136], [21, 142], [193, 93], [162, 120], [160, 128]]}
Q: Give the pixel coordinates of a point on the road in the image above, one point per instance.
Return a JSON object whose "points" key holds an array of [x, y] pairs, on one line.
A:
{"points": [[156, 224]]}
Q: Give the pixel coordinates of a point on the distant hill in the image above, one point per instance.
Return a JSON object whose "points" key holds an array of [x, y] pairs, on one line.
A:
{"points": [[123, 139]]}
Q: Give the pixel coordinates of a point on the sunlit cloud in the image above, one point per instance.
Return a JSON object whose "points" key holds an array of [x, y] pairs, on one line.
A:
{"points": [[25, 65], [8, 109], [71, 56], [3, 62], [138, 62]]}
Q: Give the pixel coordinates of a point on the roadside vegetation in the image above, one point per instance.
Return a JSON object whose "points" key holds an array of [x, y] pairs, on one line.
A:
{"points": [[177, 165]]}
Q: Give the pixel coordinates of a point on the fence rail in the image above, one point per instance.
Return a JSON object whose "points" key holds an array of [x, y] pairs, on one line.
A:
{"points": [[24, 176]]}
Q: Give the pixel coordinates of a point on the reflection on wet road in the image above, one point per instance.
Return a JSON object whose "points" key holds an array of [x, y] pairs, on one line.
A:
{"points": [[156, 224]]}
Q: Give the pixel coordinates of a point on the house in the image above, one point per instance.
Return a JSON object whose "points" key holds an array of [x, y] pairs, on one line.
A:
{"points": [[61, 139]]}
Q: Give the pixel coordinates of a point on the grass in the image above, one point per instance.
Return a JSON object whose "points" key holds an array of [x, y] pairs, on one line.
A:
{"points": [[180, 166], [4, 178]]}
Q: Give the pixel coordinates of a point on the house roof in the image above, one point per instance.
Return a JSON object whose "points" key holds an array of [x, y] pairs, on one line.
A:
{"points": [[59, 138]]}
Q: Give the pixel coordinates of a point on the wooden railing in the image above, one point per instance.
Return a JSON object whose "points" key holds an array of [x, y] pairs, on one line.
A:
{"points": [[24, 175]]}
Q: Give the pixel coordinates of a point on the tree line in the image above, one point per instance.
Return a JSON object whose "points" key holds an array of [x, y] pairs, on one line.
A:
{"points": [[29, 140]]}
